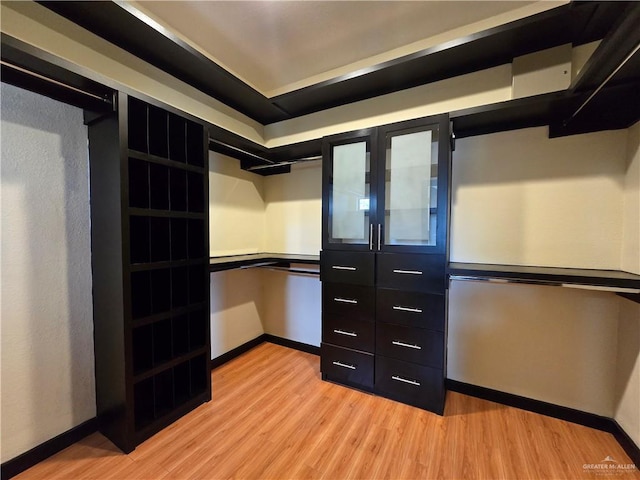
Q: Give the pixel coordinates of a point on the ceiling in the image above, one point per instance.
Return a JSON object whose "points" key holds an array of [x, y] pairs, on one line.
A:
{"points": [[279, 46]]}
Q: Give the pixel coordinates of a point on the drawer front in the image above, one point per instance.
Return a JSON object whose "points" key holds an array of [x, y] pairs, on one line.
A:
{"points": [[346, 366], [413, 309], [348, 301], [414, 272], [348, 332], [410, 383], [347, 267], [411, 344]]}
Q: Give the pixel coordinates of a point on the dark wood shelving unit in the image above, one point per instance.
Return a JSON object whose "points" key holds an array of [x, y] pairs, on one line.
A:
{"points": [[149, 188]]}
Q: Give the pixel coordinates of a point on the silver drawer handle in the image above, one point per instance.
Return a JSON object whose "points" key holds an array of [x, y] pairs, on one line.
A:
{"points": [[407, 309], [408, 272], [342, 332], [341, 267], [408, 345], [344, 365], [345, 300], [400, 379]]}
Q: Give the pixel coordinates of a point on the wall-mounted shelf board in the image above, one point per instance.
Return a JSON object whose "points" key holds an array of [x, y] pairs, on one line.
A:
{"points": [[609, 280], [231, 262]]}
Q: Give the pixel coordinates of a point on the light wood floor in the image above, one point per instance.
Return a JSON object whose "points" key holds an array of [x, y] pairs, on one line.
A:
{"points": [[272, 417]]}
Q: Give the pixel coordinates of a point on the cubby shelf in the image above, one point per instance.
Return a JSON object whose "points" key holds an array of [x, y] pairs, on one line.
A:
{"points": [[164, 365], [151, 282], [168, 314]]}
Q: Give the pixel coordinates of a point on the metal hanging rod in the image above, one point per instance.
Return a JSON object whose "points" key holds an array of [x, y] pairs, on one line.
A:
{"points": [[274, 266], [55, 82], [549, 283], [288, 162], [239, 150], [604, 82], [297, 271]]}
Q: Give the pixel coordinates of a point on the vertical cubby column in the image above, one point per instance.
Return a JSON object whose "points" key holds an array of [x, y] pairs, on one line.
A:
{"points": [[168, 243], [149, 241]]}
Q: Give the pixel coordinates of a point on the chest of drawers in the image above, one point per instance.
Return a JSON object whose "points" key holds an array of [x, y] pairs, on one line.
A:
{"points": [[383, 331]]}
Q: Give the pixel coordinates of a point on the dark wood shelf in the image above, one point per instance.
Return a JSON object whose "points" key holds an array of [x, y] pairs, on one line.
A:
{"points": [[155, 370], [148, 157], [607, 279], [231, 262]]}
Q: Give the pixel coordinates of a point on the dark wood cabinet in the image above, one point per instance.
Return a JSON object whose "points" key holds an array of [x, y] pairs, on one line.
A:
{"points": [[383, 265], [149, 191]]}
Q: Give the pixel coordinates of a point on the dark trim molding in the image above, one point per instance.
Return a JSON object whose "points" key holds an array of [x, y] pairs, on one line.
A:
{"points": [[236, 352], [634, 297], [265, 337], [285, 342], [43, 451], [551, 410], [626, 443]]}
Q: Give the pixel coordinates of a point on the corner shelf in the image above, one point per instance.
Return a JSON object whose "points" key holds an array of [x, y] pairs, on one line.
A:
{"points": [[231, 262]]}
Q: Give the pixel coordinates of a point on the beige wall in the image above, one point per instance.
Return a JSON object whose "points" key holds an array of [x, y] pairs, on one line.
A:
{"points": [[627, 412], [293, 210], [627, 393], [631, 228], [520, 198], [237, 222], [237, 309], [552, 344], [293, 305]]}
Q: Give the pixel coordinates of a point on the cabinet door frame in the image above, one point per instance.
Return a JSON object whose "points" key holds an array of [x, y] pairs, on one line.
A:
{"points": [[444, 169], [370, 137]]}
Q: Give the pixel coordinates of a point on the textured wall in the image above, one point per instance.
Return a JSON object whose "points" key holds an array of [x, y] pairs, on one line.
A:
{"points": [[47, 328], [631, 230], [520, 198], [293, 209], [628, 371], [236, 208], [553, 344], [627, 400]]}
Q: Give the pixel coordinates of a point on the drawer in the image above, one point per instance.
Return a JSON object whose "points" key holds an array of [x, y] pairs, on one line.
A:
{"points": [[347, 267], [410, 383], [414, 272], [346, 366], [348, 301], [348, 332], [411, 344], [413, 309]]}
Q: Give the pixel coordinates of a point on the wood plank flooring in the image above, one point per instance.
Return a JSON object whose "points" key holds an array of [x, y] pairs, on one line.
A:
{"points": [[272, 417]]}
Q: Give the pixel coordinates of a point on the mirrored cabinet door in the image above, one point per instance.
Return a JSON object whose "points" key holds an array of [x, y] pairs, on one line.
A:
{"points": [[348, 222], [409, 183]]}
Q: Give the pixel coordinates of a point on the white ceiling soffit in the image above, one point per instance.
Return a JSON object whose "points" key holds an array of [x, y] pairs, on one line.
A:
{"points": [[280, 46]]}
